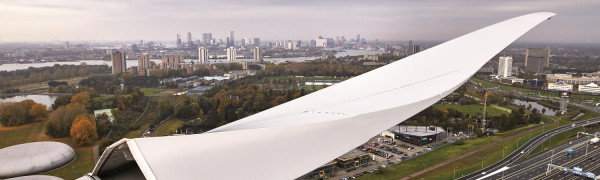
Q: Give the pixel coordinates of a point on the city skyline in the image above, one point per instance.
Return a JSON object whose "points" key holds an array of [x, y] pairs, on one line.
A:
{"points": [[274, 20]]}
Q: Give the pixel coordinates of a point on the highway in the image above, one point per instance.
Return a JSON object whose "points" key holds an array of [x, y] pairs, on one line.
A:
{"points": [[526, 148]]}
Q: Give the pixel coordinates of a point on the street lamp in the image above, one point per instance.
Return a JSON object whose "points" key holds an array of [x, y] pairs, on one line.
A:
{"points": [[482, 162], [453, 176]]}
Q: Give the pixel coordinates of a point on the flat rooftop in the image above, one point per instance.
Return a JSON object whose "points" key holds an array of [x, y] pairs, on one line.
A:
{"points": [[417, 130], [351, 154]]}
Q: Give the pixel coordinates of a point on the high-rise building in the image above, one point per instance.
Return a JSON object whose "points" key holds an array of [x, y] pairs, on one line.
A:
{"points": [[357, 37], [231, 53], [202, 55], [189, 39], [119, 63], [144, 61], [67, 45], [257, 53], [416, 49], [231, 41], [536, 59], [243, 42], [324, 42], [206, 38], [141, 43], [256, 41], [292, 45], [505, 66], [178, 42]]}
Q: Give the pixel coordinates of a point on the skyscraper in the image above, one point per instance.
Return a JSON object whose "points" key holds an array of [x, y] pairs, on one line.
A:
{"points": [[231, 39], [357, 37], [536, 59], [256, 41], [178, 42], [231, 53], [202, 55], [206, 38], [119, 64], [505, 66], [257, 53], [189, 39], [144, 61], [416, 49]]}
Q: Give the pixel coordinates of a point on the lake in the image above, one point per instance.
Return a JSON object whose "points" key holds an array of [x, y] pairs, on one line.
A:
{"points": [[549, 111], [47, 100]]}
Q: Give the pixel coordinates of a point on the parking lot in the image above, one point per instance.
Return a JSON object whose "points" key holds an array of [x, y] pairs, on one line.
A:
{"points": [[386, 152]]}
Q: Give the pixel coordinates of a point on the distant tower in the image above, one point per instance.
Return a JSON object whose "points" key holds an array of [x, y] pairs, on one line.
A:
{"points": [[357, 37], [416, 49], [505, 66], [141, 43], [257, 53], [536, 59], [203, 55], [206, 38], [67, 45], [144, 61], [189, 39], [178, 40], [119, 62], [231, 39], [231, 53]]}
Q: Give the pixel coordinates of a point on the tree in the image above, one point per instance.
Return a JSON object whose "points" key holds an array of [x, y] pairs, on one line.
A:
{"points": [[103, 124], [60, 120], [39, 112], [61, 101], [83, 131], [82, 98]]}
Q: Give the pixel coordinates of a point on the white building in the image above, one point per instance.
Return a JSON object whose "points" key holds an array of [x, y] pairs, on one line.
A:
{"points": [[560, 86], [589, 88], [505, 66], [202, 55], [257, 53], [231, 54]]}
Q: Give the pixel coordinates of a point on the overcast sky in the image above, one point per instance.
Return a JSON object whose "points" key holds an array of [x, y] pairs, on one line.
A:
{"points": [[74, 20]]}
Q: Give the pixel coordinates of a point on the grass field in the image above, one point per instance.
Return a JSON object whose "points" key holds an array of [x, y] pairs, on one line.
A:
{"points": [[137, 133], [151, 91], [465, 165], [169, 127], [33, 132], [475, 109]]}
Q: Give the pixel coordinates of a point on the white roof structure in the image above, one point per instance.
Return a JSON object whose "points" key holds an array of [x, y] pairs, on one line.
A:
{"points": [[335, 119], [32, 158], [417, 130]]}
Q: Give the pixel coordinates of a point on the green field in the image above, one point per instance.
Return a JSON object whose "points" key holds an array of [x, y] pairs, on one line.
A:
{"points": [[84, 162], [474, 109], [151, 92], [465, 165], [137, 133], [169, 127]]}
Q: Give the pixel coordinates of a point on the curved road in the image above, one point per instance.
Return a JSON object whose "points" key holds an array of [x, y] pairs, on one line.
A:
{"points": [[526, 148]]}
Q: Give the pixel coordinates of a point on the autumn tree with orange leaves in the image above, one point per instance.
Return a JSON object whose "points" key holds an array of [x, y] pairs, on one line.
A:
{"points": [[83, 130]]}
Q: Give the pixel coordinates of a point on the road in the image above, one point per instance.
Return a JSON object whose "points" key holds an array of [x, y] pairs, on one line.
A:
{"points": [[526, 148]]}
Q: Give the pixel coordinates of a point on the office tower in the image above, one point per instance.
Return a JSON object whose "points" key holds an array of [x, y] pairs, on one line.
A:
{"points": [[292, 45], [119, 63], [416, 49], [231, 41], [257, 53], [67, 45], [231, 53], [141, 43], [189, 39], [313, 43], [202, 55], [144, 61], [505, 66], [536, 59], [243, 42], [178, 40], [256, 41], [206, 38], [357, 37], [343, 39]]}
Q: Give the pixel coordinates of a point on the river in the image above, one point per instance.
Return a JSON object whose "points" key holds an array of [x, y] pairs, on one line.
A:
{"points": [[16, 66]]}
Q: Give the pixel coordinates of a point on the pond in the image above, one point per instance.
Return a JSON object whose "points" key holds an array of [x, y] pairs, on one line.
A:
{"points": [[47, 100], [549, 111]]}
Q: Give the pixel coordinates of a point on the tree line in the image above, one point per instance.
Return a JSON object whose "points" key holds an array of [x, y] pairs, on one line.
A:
{"points": [[24, 112], [56, 72]]}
